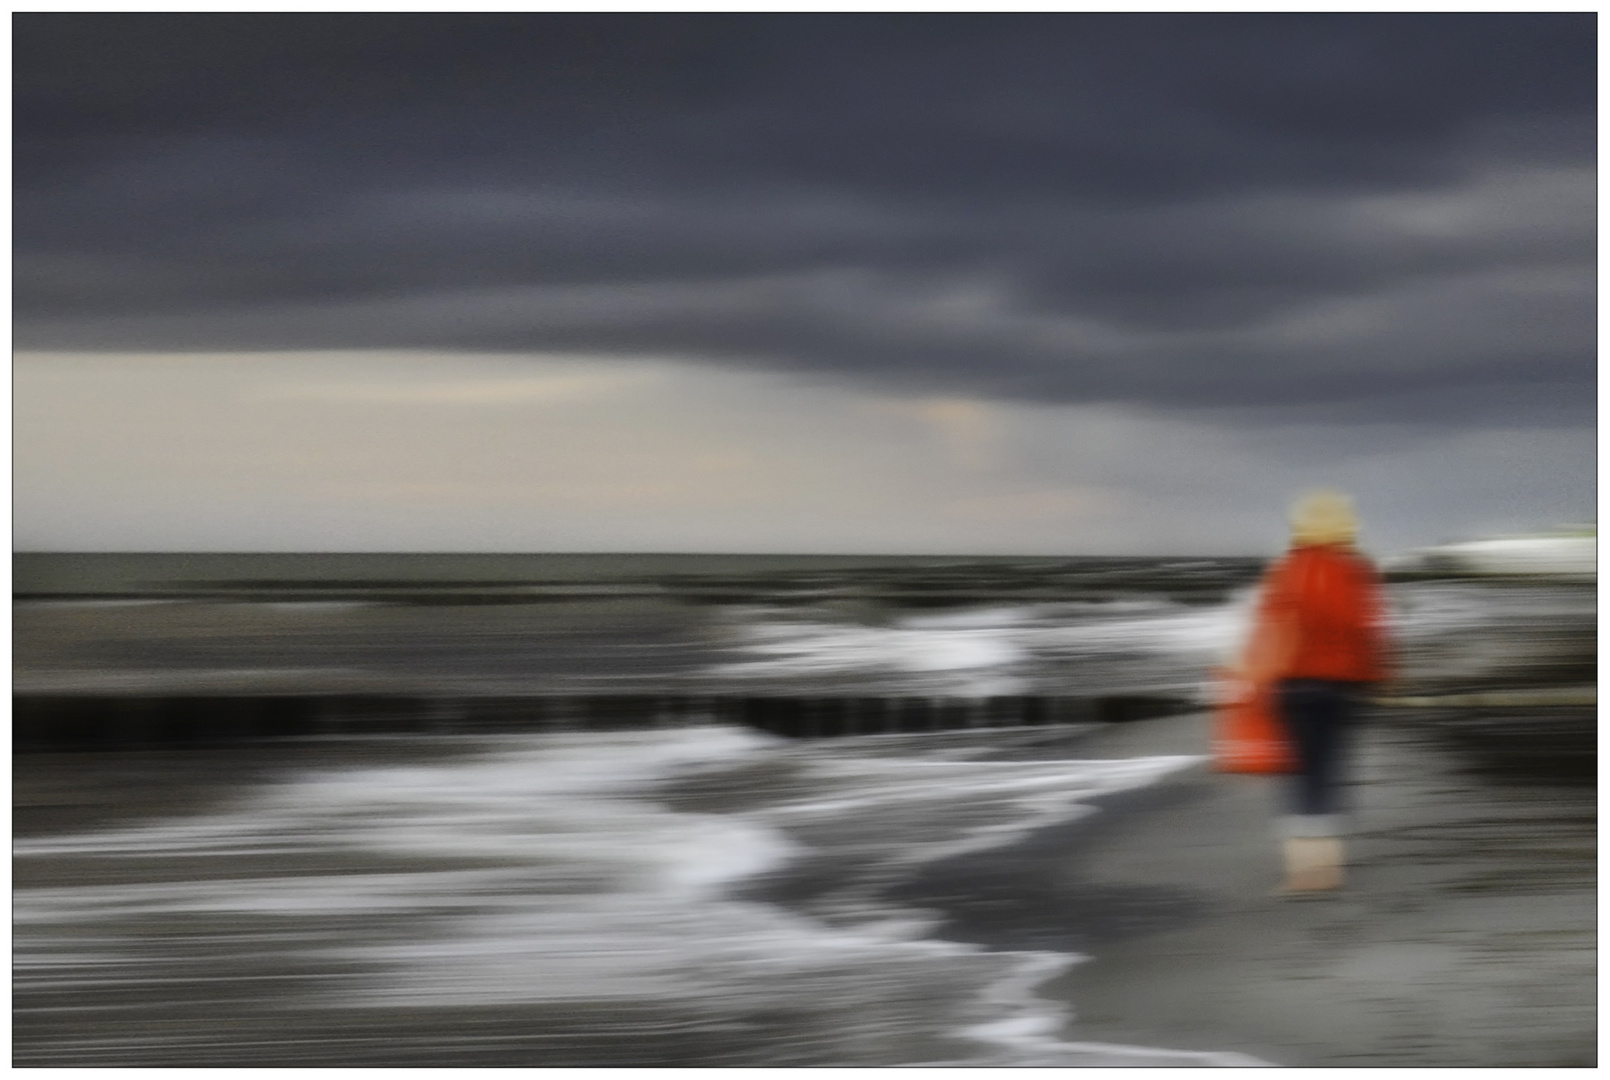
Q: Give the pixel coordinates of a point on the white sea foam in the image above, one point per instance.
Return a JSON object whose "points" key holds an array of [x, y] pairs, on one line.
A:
{"points": [[983, 651], [785, 648], [1161, 629], [976, 618], [1028, 1031], [546, 870]]}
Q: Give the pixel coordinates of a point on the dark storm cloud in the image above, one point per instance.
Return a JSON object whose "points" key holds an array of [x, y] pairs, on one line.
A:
{"points": [[1214, 210]]}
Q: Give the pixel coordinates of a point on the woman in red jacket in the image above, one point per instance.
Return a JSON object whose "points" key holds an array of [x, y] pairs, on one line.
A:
{"points": [[1318, 638]]}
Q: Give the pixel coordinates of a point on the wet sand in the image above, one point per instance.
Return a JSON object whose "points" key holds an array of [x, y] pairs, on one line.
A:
{"points": [[1465, 937]]}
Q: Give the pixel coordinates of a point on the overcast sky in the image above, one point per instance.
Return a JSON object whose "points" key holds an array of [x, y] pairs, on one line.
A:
{"points": [[861, 283]]}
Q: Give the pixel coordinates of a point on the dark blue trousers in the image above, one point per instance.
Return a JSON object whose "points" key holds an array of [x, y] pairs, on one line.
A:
{"points": [[1318, 714]]}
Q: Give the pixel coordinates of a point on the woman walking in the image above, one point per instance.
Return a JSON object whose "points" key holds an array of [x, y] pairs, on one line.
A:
{"points": [[1318, 639]]}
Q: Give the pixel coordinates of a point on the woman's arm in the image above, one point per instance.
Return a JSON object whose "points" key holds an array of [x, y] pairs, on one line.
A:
{"points": [[1271, 641]]}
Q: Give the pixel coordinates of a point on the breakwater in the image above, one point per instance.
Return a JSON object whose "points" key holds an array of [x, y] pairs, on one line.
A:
{"points": [[85, 721]]}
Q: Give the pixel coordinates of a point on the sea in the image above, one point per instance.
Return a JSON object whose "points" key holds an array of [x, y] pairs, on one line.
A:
{"points": [[690, 894]]}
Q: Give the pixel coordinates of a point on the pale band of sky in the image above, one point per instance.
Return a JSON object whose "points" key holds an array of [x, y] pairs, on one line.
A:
{"points": [[416, 451]]}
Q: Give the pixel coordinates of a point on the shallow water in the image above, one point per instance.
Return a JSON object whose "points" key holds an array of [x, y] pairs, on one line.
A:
{"points": [[561, 899]]}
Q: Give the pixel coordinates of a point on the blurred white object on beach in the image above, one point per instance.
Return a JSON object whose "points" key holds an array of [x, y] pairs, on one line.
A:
{"points": [[1567, 552]]}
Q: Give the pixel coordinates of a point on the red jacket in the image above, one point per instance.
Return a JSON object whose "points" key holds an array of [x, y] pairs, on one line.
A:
{"points": [[1321, 616]]}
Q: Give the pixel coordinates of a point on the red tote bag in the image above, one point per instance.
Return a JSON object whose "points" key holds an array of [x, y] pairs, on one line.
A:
{"points": [[1248, 736]]}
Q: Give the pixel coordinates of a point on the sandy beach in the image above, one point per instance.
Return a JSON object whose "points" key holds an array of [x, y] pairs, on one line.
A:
{"points": [[1465, 936]]}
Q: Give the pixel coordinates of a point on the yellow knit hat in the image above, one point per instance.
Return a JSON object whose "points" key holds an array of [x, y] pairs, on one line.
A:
{"points": [[1323, 517]]}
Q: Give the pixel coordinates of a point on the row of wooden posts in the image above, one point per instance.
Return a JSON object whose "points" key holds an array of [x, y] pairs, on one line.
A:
{"points": [[106, 721]]}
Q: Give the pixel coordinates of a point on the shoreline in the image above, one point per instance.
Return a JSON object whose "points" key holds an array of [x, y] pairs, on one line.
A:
{"points": [[1465, 936]]}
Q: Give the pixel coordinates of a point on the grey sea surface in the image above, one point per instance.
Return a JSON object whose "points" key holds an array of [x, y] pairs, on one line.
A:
{"points": [[694, 895], [554, 624]]}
